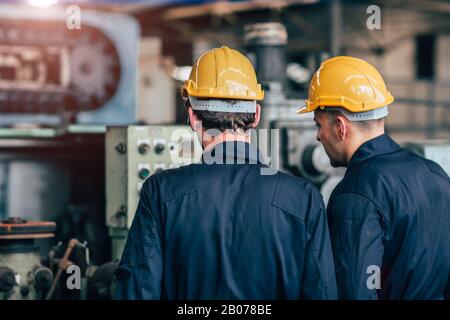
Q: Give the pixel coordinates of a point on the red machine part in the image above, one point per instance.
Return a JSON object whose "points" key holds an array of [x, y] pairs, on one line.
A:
{"points": [[18, 228]]}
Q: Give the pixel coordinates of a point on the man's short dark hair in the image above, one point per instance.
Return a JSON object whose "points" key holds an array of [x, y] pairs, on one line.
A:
{"points": [[363, 125], [224, 120]]}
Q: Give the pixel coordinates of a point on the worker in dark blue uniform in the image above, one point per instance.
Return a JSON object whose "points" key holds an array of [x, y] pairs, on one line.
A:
{"points": [[389, 217], [227, 227]]}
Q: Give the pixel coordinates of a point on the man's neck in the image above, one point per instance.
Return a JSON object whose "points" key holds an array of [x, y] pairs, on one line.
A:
{"points": [[208, 142], [359, 141]]}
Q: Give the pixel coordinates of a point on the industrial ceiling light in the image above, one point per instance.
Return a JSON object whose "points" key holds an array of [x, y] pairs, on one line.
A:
{"points": [[42, 3]]}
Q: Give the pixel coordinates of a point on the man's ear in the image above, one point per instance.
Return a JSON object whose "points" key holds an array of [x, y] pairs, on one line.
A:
{"points": [[193, 120], [342, 127], [257, 116]]}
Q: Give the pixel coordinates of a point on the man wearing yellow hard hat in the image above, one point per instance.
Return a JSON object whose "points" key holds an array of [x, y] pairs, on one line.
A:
{"points": [[220, 229], [390, 215]]}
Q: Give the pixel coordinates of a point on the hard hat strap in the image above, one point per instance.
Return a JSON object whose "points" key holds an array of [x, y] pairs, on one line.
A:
{"points": [[216, 105]]}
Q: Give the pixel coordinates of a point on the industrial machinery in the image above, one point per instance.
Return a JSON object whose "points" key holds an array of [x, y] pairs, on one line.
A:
{"points": [[51, 177], [22, 276], [27, 275], [134, 153], [59, 87], [76, 277], [87, 75]]}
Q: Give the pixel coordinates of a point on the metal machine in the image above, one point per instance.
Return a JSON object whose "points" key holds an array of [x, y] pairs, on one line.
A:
{"points": [[59, 87], [134, 153], [25, 274], [22, 276], [87, 75]]}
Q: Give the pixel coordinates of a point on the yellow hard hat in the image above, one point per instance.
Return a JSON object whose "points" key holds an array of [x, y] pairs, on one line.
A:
{"points": [[223, 73], [347, 82]]}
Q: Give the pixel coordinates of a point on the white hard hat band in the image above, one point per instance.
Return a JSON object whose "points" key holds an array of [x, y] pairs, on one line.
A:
{"points": [[374, 114], [216, 105]]}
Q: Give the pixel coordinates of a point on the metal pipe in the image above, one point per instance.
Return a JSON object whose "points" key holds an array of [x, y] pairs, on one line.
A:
{"points": [[63, 264], [336, 27], [266, 48]]}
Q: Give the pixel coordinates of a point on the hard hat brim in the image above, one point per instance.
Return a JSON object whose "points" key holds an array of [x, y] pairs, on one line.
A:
{"points": [[344, 103]]}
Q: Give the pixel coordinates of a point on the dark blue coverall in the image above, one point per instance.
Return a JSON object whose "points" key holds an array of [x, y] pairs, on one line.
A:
{"points": [[391, 210], [225, 231]]}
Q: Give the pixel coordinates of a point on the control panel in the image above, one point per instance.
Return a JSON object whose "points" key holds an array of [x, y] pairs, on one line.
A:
{"points": [[133, 154]]}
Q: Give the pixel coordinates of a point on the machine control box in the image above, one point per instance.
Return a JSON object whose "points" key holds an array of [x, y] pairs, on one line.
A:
{"points": [[134, 153]]}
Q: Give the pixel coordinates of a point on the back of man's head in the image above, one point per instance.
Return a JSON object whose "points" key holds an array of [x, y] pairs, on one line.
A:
{"points": [[363, 126], [350, 100], [222, 121], [222, 91]]}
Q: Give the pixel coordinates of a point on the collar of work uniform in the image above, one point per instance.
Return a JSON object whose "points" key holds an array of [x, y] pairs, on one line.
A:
{"points": [[379, 145], [233, 152]]}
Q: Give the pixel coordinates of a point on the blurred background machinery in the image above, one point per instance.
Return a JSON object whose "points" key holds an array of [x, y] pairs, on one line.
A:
{"points": [[87, 74], [22, 276], [59, 88], [26, 274], [86, 115]]}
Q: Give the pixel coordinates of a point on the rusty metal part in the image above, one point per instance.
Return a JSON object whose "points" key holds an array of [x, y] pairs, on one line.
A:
{"points": [[18, 228], [63, 264], [27, 236]]}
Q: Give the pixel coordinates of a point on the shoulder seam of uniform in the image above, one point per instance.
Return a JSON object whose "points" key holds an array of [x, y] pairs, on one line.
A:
{"points": [[184, 193], [180, 195], [384, 217], [281, 207], [155, 179], [365, 161], [359, 194], [437, 170]]}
